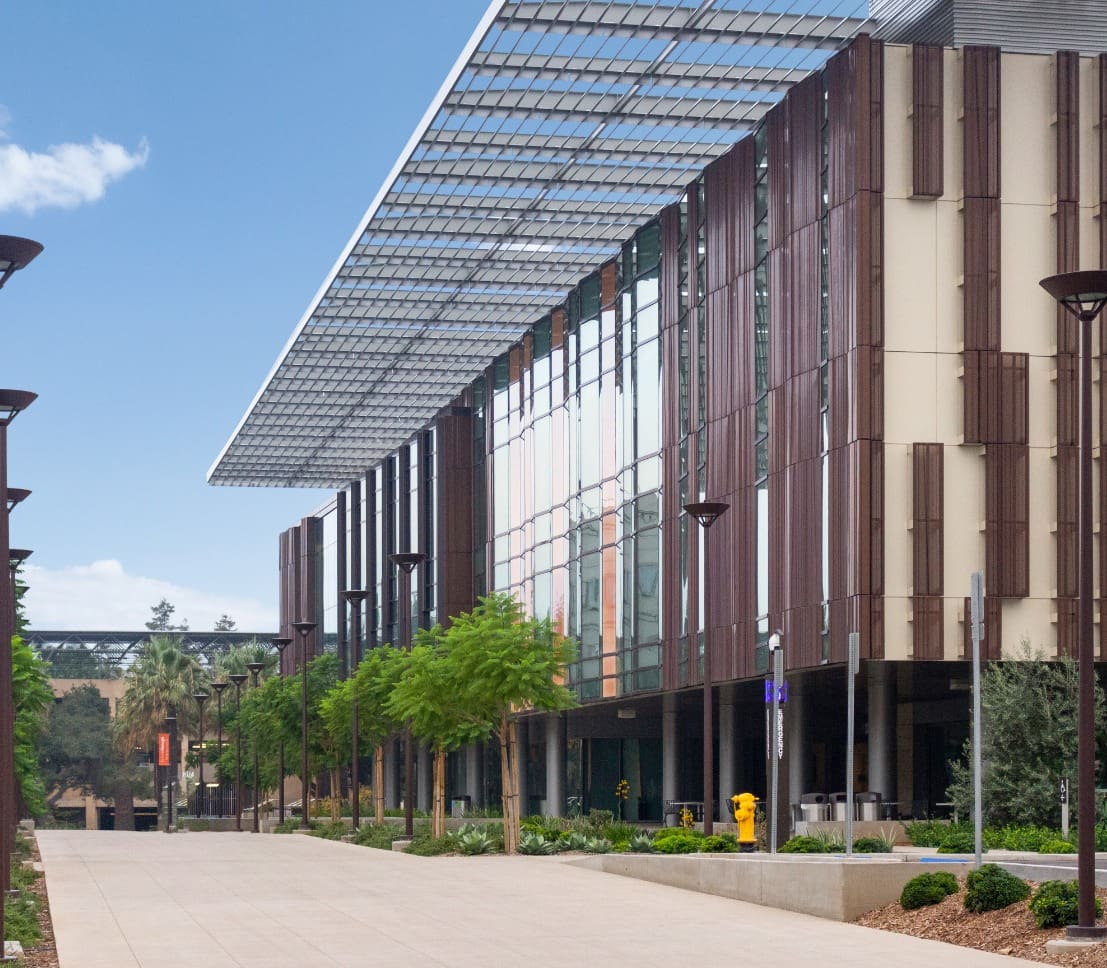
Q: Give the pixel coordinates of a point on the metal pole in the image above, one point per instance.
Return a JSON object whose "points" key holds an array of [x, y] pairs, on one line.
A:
{"points": [[219, 687], [1086, 716], [254, 743], [238, 679], [355, 660], [409, 757], [708, 743], [776, 746], [977, 603], [303, 730], [200, 788], [851, 692], [7, 701]]}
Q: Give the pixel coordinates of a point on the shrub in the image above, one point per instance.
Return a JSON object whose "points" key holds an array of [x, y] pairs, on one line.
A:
{"points": [[927, 889], [1055, 904], [330, 831], [666, 832], [549, 828], [598, 819], [871, 845], [720, 844], [291, 825], [619, 832], [641, 843], [1026, 838], [1057, 847], [21, 919], [677, 845], [424, 845], [927, 833], [958, 842], [535, 844], [573, 840], [803, 845], [991, 888]]}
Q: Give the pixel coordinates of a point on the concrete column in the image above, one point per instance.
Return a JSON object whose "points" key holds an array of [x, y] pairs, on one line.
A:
{"points": [[523, 741], [474, 774], [670, 751], [728, 754], [423, 781], [555, 765], [796, 739], [392, 764], [882, 724]]}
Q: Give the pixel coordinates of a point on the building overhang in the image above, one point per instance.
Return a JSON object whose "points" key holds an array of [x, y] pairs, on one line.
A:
{"points": [[561, 127]]}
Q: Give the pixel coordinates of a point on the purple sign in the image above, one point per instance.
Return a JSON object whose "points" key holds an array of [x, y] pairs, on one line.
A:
{"points": [[782, 696]]}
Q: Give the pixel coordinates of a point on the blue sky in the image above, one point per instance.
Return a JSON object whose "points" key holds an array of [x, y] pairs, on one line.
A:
{"points": [[219, 156]]}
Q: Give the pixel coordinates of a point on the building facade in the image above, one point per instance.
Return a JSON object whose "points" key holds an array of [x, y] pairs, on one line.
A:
{"points": [[838, 332]]}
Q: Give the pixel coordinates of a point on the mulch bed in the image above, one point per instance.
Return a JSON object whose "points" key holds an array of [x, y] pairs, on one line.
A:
{"points": [[1010, 931], [44, 954]]}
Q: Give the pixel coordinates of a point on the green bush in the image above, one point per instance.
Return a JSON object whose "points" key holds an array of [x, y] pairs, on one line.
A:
{"points": [[424, 845], [573, 840], [927, 833], [1057, 847], [291, 825], [549, 828], [958, 842], [804, 845], [927, 889], [1055, 904], [618, 832], [720, 844], [991, 887], [370, 835], [677, 845], [1026, 838], [666, 832], [871, 845], [21, 919], [330, 831]]}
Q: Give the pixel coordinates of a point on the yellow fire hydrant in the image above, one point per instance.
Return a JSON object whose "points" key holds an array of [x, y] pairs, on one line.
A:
{"points": [[744, 812]]}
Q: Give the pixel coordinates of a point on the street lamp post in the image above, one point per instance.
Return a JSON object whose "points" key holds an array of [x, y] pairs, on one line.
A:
{"points": [[219, 687], [15, 254], [237, 678], [255, 670], [305, 629], [201, 698], [281, 643], [706, 513], [355, 596], [407, 562], [1084, 295]]}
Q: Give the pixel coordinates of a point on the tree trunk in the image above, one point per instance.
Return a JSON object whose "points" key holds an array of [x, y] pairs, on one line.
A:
{"points": [[438, 802], [123, 796], [378, 784], [509, 778], [336, 796]]}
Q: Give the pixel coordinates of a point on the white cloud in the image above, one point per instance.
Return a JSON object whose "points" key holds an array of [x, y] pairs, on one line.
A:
{"points": [[102, 596], [65, 176]]}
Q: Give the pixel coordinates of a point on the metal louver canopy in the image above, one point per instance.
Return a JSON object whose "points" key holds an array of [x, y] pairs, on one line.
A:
{"points": [[561, 128]]}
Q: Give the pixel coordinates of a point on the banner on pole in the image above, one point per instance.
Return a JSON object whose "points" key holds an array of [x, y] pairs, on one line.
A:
{"points": [[163, 749]]}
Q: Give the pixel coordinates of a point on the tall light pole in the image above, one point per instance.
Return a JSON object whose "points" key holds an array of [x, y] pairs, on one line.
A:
{"points": [[201, 698], [237, 678], [171, 729], [407, 562], [219, 687], [255, 670], [280, 642], [12, 402], [355, 596], [1084, 295], [706, 513], [305, 629]]}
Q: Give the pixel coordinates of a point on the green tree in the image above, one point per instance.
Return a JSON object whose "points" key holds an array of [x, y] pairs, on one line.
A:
{"points": [[1028, 740], [428, 696], [225, 624], [32, 697], [504, 663], [374, 680], [76, 745], [237, 659], [161, 617]]}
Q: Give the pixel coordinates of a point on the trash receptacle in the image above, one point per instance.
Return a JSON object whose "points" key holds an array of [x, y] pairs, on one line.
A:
{"points": [[868, 805], [459, 806], [813, 807], [838, 806]]}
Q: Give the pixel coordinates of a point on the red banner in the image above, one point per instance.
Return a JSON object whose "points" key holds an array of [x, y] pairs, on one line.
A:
{"points": [[163, 749]]}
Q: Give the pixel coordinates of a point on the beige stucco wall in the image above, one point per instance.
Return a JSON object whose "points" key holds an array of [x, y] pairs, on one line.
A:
{"points": [[923, 267]]}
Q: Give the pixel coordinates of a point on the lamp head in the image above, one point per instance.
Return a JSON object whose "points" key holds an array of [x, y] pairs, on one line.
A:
{"points": [[776, 641], [355, 595], [408, 560], [16, 253], [237, 678], [219, 686], [1083, 294], [202, 697], [17, 495], [304, 628], [14, 402], [706, 513], [18, 555]]}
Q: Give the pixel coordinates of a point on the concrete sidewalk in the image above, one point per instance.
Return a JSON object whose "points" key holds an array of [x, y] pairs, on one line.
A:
{"points": [[225, 899]]}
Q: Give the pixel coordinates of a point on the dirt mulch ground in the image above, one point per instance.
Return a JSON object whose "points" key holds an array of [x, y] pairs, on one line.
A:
{"points": [[44, 954], [1008, 932]]}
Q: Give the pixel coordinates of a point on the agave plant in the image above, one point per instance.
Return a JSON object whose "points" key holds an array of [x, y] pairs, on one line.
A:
{"points": [[473, 840], [641, 843], [534, 843], [597, 845], [574, 840]]}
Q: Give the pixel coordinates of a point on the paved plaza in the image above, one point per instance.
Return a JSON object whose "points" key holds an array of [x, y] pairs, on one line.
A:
{"points": [[263, 901]]}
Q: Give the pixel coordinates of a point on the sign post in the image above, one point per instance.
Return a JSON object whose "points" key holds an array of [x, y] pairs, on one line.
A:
{"points": [[776, 750], [851, 672], [1065, 807], [977, 636]]}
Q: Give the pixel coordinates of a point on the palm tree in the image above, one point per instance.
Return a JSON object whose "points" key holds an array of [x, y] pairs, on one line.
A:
{"points": [[237, 658]]}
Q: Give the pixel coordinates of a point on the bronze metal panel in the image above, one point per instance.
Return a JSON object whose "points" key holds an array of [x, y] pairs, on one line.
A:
{"points": [[1068, 627], [454, 514], [991, 647], [927, 121], [854, 81], [805, 151], [723, 354], [927, 627], [776, 136], [1007, 513], [1068, 479], [982, 273], [372, 529], [996, 397], [740, 379], [341, 639], [804, 311], [981, 129], [1067, 400], [1102, 63], [744, 176], [1067, 74], [855, 270], [718, 225], [311, 579], [780, 314], [1067, 221], [928, 508]]}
